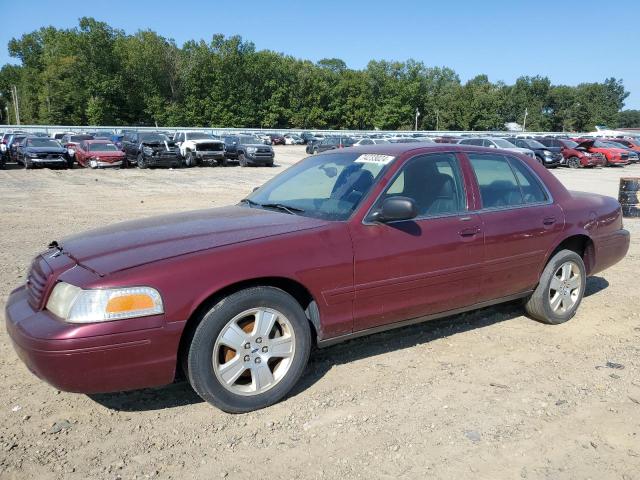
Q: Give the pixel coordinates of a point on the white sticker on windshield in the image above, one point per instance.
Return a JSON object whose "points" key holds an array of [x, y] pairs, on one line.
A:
{"points": [[374, 158]]}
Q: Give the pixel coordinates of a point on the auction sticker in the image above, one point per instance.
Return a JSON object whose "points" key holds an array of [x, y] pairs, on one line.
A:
{"points": [[374, 158]]}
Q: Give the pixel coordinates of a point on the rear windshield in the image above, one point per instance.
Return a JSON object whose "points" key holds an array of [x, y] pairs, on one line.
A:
{"points": [[102, 147]]}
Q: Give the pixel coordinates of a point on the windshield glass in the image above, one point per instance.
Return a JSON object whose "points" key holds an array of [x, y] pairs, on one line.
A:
{"points": [[43, 142], [329, 187], [599, 144], [79, 138], [502, 143], [570, 143], [153, 137], [248, 140], [198, 136], [102, 147], [534, 144]]}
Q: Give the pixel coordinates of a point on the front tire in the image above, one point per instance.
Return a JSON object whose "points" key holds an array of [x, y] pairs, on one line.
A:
{"points": [[242, 160], [573, 162], [560, 290], [141, 161], [190, 160], [249, 350]]}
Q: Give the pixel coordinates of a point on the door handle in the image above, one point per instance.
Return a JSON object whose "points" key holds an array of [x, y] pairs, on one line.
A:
{"points": [[549, 221], [469, 232]]}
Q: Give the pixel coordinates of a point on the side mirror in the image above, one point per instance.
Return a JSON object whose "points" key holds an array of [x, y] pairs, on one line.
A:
{"points": [[395, 209]]}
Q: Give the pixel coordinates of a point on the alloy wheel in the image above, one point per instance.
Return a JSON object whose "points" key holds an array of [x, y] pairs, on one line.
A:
{"points": [[254, 351], [565, 286]]}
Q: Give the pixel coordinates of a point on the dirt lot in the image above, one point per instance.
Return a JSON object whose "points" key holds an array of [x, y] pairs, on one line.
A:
{"points": [[490, 394]]}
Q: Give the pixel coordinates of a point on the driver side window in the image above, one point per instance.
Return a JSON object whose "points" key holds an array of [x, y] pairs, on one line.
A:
{"points": [[433, 182]]}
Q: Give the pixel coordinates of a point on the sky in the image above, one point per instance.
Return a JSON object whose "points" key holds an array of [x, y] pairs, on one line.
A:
{"points": [[569, 41]]}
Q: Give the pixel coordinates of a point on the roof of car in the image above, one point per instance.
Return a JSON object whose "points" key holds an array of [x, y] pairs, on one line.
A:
{"points": [[397, 149], [98, 140]]}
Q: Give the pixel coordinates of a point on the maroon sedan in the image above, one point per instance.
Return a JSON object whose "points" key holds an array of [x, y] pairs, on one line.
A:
{"points": [[98, 153], [340, 245]]}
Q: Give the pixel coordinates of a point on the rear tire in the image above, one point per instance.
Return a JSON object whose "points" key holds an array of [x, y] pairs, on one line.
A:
{"points": [[560, 290], [249, 350]]}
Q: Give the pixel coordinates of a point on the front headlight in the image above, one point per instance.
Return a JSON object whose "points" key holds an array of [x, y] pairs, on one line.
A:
{"points": [[75, 305], [32, 155], [546, 153], [252, 149]]}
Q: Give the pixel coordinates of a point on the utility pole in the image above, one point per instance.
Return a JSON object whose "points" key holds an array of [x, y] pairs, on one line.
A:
{"points": [[524, 124], [437, 120], [417, 115], [14, 96]]}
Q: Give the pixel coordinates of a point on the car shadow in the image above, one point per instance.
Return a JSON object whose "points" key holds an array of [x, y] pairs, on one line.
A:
{"points": [[180, 393]]}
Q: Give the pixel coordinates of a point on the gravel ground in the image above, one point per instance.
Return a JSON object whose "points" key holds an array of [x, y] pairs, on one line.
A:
{"points": [[490, 394]]}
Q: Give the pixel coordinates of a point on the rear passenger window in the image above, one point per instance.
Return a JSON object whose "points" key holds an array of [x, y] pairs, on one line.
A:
{"points": [[532, 192], [497, 182]]}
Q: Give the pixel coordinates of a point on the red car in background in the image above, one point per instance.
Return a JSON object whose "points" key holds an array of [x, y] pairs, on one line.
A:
{"points": [[573, 156], [612, 155], [98, 153], [629, 143]]}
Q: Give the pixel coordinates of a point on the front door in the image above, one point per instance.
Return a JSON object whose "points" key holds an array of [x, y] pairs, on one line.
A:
{"points": [[431, 264]]}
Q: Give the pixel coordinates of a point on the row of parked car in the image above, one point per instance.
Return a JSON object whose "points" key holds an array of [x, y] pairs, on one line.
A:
{"points": [[550, 151], [146, 149], [143, 149]]}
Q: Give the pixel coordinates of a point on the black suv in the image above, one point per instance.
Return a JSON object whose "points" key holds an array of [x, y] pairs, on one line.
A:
{"points": [[150, 149], [41, 152], [248, 150], [550, 157]]}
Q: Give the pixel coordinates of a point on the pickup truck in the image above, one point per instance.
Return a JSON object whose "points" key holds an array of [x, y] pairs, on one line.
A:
{"points": [[199, 148]]}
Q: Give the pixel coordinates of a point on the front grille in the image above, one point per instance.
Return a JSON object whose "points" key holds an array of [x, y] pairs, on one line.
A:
{"points": [[264, 150], [37, 280], [624, 156], [210, 147]]}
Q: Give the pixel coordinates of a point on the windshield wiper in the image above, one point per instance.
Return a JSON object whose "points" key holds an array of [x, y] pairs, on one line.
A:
{"points": [[250, 202], [284, 208], [277, 206]]}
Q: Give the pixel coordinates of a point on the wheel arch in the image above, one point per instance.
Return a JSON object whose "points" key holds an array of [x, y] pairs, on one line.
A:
{"points": [[293, 287], [582, 244]]}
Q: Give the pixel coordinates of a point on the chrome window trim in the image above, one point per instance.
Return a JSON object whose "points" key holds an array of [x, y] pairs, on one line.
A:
{"points": [[466, 211]]}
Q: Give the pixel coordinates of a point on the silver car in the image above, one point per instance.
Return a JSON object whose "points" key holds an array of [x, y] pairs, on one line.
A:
{"points": [[496, 143]]}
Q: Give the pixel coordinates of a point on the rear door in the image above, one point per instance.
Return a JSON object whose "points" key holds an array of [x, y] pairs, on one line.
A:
{"points": [[427, 265], [520, 221]]}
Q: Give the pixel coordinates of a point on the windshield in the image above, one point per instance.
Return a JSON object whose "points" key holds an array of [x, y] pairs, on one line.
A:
{"points": [[198, 136], [502, 143], [329, 187], [599, 144], [43, 142], [534, 144], [102, 147], [153, 138], [248, 140], [570, 143], [79, 138]]}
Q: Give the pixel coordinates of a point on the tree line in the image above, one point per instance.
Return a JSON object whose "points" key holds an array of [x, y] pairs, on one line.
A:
{"points": [[94, 74]]}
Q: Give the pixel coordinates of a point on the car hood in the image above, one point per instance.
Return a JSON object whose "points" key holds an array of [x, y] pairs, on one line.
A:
{"points": [[257, 145], [130, 244], [45, 149]]}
